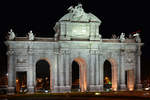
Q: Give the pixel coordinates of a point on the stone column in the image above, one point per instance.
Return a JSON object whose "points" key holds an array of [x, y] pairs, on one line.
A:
{"points": [[61, 71], [122, 71], [11, 72], [67, 64], [114, 78], [30, 75], [30, 81], [138, 70], [56, 71], [101, 74], [92, 70], [97, 70]]}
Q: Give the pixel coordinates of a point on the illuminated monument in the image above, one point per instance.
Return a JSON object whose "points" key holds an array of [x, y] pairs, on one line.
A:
{"points": [[77, 39]]}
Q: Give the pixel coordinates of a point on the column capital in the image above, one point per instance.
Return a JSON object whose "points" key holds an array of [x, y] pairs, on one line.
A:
{"points": [[97, 52], [56, 51], [61, 52], [68, 52], [122, 52], [101, 53], [29, 51], [94, 52], [64, 52], [91, 52], [10, 52]]}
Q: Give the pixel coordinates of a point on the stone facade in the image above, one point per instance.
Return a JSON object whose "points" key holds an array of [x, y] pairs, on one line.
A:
{"points": [[77, 39]]}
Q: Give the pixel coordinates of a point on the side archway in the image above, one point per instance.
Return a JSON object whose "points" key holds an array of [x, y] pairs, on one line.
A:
{"points": [[82, 73], [43, 75], [113, 73]]}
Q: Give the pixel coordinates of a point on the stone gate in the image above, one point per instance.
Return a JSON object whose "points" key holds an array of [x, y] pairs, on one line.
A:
{"points": [[76, 39]]}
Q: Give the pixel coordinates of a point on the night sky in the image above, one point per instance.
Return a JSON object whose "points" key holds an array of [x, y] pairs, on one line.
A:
{"points": [[40, 16]]}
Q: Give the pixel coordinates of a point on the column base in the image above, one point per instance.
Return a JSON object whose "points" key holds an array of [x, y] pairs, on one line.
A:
{"points": [[59, 89], [30, 90], [11, 90], [95, 88], [92, 88], [123, 87], [139, 86], [55, 89], [101, 88], [62, 89], [68, 88]]}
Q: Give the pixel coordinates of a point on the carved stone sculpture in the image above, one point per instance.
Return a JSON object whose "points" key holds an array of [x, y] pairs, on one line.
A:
{"points": [[11, 35], [114, 36], [122, 37], [137, 37], [77, 12], [31, 35]]}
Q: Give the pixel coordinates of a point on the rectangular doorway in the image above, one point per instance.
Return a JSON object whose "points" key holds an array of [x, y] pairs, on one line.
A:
{"points": [[21, 82]]}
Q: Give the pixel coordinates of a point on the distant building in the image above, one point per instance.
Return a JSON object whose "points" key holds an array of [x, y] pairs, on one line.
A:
{"points": [[77, 39]]}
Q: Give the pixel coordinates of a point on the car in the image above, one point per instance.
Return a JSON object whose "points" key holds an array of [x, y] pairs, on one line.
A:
{"points": [[147, 88]]}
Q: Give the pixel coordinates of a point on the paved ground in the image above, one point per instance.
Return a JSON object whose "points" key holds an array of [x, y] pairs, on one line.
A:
{"points": [[135, 95], [79, 98]]}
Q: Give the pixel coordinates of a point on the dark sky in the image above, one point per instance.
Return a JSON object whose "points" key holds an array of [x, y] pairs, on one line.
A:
{"points": [[40, 16]]}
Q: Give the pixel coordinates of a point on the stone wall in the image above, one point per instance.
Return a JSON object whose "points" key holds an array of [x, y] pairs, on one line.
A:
{"points": [[23, 56]]}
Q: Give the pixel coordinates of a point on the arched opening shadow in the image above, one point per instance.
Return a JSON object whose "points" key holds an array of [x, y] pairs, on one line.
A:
{"points": [[42, 75], [75, 76], [107, 75], [112, 72]]}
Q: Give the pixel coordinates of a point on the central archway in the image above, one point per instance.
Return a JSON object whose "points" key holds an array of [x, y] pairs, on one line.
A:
{"points": [[42, 75], [113, 73], [79, 80]]}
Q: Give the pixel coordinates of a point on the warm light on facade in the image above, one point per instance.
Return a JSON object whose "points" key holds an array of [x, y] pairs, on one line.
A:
{"points": [[146, 89], [17, 80], [115, 89], [130, 79], [114, 74], [82, 79], [39, 80], [97, 93], [130, 89]]}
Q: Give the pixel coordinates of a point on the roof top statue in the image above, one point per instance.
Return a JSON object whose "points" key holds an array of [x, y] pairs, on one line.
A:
{"points": [[11, 35], [77, 13], [77, 24], [122, 37], [31, 35], [137, 37]]}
